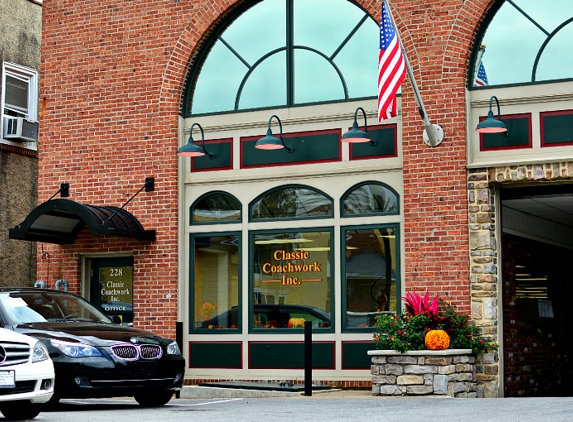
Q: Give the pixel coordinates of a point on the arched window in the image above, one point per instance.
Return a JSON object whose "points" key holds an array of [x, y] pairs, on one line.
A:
{"points": [[280, 53], [289, 202], [216, 207], [525, 41], [370, 198]]}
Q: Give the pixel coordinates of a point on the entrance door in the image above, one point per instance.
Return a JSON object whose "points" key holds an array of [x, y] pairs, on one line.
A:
{"points": [[111, 287]]}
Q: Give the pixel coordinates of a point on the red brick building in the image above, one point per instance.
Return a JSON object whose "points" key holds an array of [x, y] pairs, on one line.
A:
{"points": [[124, 82]]}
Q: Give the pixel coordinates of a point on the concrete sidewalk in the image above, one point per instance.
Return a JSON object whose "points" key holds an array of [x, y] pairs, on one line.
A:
{"points": [[201, 392]]}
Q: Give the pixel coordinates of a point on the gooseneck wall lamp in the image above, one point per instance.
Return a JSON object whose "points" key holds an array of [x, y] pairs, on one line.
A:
{"points": [[192, 149], [491, 124], [356, 135], [270, 141]]}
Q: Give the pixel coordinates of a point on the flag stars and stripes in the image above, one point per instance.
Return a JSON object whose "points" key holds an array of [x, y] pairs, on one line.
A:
{"points": [[391, 67]]}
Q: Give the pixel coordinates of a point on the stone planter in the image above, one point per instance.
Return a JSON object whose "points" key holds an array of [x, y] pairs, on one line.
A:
{"points": [[450, 372]]}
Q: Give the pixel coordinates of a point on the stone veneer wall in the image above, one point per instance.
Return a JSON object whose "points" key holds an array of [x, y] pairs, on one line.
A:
{"points": [[450, 372], [484, 267]]}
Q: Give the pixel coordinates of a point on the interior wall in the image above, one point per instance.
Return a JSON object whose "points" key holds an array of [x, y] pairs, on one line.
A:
{"points": [[536, 350]]}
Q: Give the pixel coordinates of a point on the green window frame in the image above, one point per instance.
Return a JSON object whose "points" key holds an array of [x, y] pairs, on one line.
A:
{"points": [[289, 202], [375, 286], [369, 198], [215, 283], [216, 207], [537, 38], [307, 52], [297, 265]]}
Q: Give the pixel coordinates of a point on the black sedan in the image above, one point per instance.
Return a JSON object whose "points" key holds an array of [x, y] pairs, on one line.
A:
{"points": [[92, 355]]}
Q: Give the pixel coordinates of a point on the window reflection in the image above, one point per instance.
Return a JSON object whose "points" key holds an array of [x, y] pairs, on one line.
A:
{"points": [[291, 280], [337, 29], [215, 282], [519, 30], [291, 202], [370, 198], [370, 274], [216, 206]]}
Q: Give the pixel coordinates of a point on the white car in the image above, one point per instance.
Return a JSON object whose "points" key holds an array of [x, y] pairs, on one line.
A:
{"points": [[26, 375]]}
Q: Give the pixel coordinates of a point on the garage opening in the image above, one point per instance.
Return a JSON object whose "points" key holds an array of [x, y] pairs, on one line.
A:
{"points": [[537, 251]]}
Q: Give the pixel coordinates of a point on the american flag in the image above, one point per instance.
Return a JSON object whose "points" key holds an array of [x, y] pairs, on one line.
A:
{"points": [[391, 67], [481, 77]]}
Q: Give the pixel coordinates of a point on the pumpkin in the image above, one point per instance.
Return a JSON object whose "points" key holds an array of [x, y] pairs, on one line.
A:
{"points": [[296, 322], [437, 340]]}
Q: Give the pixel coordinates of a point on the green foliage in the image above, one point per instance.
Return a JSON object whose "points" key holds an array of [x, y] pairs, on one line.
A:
{"points": [[405, 332]]}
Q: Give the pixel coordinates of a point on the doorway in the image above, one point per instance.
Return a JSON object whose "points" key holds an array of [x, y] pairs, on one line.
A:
{"points": [[111, 287], [537, 289]]}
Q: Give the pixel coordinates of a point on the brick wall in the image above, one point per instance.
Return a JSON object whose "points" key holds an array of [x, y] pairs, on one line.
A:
{"points": [[113, 75]]}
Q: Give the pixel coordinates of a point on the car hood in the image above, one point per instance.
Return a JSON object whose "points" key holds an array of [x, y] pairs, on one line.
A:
{"points": [[94, 334]]}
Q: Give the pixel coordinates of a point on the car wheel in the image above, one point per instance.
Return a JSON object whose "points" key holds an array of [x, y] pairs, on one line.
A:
{"points": [[155, 399], [20, 411]]}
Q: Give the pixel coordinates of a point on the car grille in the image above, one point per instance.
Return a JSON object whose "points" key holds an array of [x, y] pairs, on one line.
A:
{"points": [[21, 387], [135, 352], [14, 353]]}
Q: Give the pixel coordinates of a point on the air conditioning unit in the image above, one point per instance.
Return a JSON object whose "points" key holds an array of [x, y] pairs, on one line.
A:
{"points": [[21, 129]]}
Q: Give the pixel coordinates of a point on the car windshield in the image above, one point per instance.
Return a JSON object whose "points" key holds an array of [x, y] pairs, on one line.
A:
{"points": [[43, 306]]}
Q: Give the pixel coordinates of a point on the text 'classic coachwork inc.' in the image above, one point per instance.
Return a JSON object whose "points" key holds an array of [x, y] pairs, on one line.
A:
{"points": [[296, 263]]}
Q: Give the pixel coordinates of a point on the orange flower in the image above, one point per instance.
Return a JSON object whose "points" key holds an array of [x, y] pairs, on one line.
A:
{"points": [[437, 340]]}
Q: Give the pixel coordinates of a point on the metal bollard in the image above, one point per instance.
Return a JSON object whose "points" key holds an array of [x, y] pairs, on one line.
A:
{"points": [[308, 358]]}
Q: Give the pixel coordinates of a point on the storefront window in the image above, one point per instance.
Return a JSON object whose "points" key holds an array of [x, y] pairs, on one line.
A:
{"points": [[370, 268], [291, 281], [216, 207], [311, 51], [291, 202], [370, 198], [215, 285], [536, 38]]}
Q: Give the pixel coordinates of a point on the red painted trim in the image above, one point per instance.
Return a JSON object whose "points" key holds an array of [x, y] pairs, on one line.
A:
{"points": [[542, 127], [332, 343], [212, 142], [504, 118], [379, 127], [222, 343], [245, 139]]}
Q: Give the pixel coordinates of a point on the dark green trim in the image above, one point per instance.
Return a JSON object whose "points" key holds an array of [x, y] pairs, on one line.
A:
{"points": [[355, 354], [215, 355], [556, 128], [518, 134], [309, 147], [386, 144], [290, 355], [223, 150]]}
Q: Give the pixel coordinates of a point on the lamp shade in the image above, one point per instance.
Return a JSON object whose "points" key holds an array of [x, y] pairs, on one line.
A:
{"points": [[191, 150], [269, 142], [491, 125], [356, 135]]}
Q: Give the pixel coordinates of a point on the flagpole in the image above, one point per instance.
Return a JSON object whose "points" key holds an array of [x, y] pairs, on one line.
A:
{"points": [[433, 134]]}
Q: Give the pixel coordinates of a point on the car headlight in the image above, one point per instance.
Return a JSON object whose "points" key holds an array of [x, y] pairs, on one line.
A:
{"points": [[40, 352], [173, 349], [76, 350]]}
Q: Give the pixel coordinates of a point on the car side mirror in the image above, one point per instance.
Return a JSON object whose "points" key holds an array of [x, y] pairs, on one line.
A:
{"points": [[115, 319]]}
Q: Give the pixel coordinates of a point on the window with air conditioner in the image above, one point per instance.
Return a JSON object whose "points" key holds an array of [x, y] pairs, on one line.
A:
{"points": [[19, 102]]}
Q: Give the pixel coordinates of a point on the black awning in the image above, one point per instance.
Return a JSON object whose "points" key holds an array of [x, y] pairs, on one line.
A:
{"points": [[61, 220]]}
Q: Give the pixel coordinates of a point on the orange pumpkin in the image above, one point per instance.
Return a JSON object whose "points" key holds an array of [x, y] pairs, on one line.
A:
{"points": [[296, 322], [437, 340]]}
